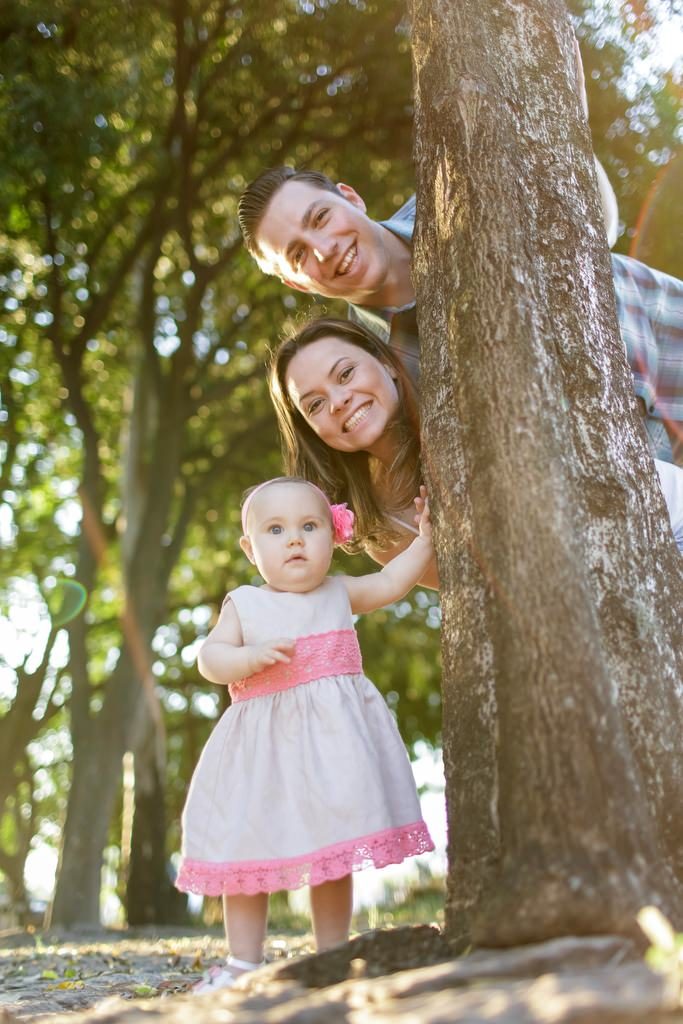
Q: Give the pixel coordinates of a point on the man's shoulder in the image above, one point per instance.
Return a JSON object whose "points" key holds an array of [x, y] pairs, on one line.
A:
{"points": [[376, 320], [403, 221], [629, 272]]}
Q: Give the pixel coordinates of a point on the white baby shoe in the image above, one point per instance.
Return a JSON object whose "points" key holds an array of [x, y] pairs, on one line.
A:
{"points": [[223, 977]]}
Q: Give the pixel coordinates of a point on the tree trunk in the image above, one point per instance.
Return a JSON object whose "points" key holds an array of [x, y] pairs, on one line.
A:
{"points": [[561, 585], [99, 746], [150, 895], [101, 739], [91, 803]]}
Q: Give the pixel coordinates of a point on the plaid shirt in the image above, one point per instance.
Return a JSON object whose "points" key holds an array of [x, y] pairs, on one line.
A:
{"points": [[650, 313]]}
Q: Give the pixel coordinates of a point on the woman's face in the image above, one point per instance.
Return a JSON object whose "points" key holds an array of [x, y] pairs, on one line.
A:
{"points": [[348, 397]]}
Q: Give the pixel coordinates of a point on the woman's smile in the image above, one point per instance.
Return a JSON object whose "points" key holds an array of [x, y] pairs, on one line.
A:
{"points": [[347, 396], [357, 417]]}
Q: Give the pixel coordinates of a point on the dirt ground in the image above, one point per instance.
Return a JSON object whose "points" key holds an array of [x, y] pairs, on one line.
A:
{"points": [[44, 974], [404, 975]]}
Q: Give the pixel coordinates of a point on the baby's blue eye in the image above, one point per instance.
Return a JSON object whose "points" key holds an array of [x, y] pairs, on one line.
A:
{"points": [[275, 529], [309, 527]]}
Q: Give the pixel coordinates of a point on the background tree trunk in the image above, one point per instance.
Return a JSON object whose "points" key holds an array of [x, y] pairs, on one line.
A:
{"points": [[98, 750], [150, 895], [562, 589]]}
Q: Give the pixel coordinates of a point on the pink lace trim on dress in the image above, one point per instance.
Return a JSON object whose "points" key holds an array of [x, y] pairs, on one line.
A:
{"points": [[249, 877], [316, 656]]}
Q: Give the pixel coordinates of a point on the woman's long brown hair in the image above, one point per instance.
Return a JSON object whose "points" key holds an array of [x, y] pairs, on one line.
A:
{"points": [[348, 476]]}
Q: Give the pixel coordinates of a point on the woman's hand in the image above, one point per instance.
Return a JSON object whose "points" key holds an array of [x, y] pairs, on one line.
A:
{"points": [[580, 78], [422, 518]]}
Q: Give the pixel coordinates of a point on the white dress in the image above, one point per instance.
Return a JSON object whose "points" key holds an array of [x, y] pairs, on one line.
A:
{"points": [[305, 777]]}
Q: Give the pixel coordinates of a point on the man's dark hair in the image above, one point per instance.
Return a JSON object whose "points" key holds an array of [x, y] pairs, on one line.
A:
{"points": [[257, 195]]}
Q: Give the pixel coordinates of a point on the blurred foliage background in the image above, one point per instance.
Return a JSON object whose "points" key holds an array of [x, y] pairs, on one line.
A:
{"points": [[133, 336]]}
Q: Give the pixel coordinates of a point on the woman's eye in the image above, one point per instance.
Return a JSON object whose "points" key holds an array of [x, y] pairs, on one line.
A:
{"points": [[315, 406], [345, 373], [319, 216], [298, 257]]}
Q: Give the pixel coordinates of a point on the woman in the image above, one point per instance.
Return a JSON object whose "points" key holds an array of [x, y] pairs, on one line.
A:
{"points": [[349, 421]]}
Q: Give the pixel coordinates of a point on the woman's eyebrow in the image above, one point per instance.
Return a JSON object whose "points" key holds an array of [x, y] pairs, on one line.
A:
{"points": [[302, 398]]}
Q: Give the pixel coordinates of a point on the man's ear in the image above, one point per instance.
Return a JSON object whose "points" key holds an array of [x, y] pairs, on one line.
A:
{"points": [[352, 196], [245, 544], [295, 285]]}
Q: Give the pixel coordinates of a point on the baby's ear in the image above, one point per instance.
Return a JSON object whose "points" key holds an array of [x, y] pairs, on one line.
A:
{"points": [[245, 544]]}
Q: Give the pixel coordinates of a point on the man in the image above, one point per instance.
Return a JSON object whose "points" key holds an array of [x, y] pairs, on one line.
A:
{"points": [[317, 237]]}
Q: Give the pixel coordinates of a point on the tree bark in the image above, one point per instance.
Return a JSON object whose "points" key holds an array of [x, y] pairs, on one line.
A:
{"points": [[561, 586], [96, 779], [150, 895]]}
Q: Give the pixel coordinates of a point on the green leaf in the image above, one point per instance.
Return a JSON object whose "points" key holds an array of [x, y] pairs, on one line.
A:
{"points": [[144, 990]]}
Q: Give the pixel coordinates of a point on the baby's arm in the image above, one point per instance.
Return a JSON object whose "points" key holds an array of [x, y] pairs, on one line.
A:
{"points": [[377, 589], [429, 578], [224, 658]]}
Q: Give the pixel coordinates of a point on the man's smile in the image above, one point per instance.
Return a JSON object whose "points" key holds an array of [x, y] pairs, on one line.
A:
{"points": [[347, 261]]}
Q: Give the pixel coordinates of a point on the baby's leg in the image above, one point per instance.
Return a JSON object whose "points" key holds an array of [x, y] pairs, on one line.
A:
{"points": [[331, 907], [245, 925]]}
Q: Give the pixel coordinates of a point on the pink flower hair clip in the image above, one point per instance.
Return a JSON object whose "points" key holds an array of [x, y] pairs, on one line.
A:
{"points": [[342, 523], [342, 516]]}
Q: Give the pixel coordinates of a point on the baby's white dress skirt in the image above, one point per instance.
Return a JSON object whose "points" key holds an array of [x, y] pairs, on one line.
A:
{"points": [[305, 778]]}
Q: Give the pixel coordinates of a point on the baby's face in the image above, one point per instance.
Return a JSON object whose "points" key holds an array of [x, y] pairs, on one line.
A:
{"points": [[289, 536]]}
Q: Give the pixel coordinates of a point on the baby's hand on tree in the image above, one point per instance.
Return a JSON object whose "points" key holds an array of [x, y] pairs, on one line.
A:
{"points": [[269, 653], [422, 519]]}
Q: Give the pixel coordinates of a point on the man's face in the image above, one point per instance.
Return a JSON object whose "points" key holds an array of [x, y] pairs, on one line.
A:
{"points": [[321, 242]]}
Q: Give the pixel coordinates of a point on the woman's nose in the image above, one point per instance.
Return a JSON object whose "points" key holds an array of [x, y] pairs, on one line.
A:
{"points": [[339, 398]]}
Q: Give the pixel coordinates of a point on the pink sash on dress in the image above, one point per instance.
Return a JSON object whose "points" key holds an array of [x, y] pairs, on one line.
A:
{"points": [[322, 654]]}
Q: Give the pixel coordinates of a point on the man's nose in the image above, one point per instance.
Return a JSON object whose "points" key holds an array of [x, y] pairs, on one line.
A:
{"points": [[324, 249]]}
